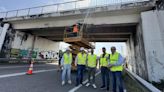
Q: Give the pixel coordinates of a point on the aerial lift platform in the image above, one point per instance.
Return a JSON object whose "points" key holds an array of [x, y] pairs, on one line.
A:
{"points": [[77, 40]]}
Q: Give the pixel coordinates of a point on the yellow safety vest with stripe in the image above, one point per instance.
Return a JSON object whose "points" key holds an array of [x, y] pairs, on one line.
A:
{"points": [[67, 58], [81, 59], [92, 60], [113, 59], [103, 60]]}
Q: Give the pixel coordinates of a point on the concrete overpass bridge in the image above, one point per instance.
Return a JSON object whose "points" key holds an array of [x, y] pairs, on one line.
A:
{"points": [[135, 22], [114, 21]]}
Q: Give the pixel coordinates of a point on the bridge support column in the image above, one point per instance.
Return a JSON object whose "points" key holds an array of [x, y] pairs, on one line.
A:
{"points": [[153, 36], [130, 53], [3, 31]]}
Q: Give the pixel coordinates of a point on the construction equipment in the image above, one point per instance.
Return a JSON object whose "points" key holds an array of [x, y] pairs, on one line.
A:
{"points": [[76, 40], [76, 35]]}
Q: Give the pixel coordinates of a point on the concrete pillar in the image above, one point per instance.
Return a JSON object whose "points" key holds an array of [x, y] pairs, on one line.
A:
{"points": [[3, 34], [131, 55], [32, 47], [153, 36], [139, 50]]}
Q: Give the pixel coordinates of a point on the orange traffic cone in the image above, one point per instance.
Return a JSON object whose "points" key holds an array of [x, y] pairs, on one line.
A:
{"points": [[29, 72]]}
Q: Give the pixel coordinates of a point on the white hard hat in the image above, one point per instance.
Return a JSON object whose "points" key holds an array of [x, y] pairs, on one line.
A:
{"points": [[68, 49], [89, 50], [82, 48]]}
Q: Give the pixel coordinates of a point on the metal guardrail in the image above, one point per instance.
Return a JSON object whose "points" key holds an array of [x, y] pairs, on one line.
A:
{"points": [[72, 5], [146, 85]]}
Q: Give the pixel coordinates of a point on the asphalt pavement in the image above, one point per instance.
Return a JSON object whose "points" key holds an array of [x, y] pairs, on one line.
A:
{"points": [[46, 78]]}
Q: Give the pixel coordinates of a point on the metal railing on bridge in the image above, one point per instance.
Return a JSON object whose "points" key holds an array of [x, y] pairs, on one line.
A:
{"points": [[66, 6]]}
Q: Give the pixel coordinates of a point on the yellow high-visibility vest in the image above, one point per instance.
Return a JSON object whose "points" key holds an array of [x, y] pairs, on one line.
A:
{"points": [[92, 60], [67, 58], [103, 60], [113, 59], [81, 59]]}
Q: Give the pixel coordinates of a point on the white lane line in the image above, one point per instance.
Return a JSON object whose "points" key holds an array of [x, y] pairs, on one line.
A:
{"points": [[23, 73], [19, 66], [84, 82]]}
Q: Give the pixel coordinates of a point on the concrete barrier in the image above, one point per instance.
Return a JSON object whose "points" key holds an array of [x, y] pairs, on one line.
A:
{"points": [[146, 84]]}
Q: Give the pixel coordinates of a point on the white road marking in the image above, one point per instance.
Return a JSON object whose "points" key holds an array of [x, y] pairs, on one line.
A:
{"points": [[84, 82], [23, 73], [19, 66]]}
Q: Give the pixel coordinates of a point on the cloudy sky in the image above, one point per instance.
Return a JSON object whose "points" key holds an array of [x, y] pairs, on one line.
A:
{"points": [[6, 5]]}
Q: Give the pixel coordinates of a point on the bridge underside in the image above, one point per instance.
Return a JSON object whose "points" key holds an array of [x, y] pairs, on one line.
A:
{"points": [[95, 33]]}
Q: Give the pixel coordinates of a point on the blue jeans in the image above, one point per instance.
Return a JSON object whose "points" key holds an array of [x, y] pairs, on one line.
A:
{"points": [[66, 70], [117, 81], [105, 76], [80, 72]]}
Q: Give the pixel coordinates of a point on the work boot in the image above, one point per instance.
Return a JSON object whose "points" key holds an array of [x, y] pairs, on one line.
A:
{"points": [[107, 88], [87, 84], [69, 82], [94, 86], [82, 83], [63, 83], [102, 87]]}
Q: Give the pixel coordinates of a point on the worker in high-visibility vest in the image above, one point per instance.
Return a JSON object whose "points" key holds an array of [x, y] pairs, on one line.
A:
{"points": [[116, 67], [66, 66], [104, 61], [80, 62], [91, 64]]}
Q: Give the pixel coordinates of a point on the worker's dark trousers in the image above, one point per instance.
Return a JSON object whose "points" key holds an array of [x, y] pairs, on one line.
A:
{"points": [[117, 81], [105, 76], [91, 73], [80, 72]]}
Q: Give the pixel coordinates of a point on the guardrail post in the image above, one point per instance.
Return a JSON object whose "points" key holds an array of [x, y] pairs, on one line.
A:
{"points": [[28, 12], [57, 7], [16, 13], [6, 14], [42, 10], [75, 5]]}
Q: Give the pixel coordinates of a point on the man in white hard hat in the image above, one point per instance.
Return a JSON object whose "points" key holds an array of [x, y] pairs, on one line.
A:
{"points": [[80, 62], [66, 66]]}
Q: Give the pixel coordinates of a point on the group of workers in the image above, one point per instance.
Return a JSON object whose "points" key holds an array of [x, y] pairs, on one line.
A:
{"points": [[110, 65]]}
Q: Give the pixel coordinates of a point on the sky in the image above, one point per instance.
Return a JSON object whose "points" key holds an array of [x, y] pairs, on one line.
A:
{"points": [[6, 5]]}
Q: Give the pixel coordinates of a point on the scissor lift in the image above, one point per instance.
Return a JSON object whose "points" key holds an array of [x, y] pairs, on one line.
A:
{"points": [[77, 40]]}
